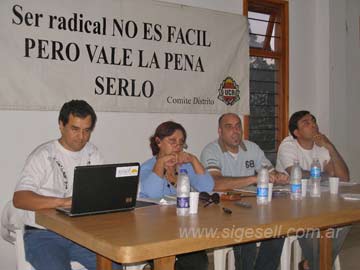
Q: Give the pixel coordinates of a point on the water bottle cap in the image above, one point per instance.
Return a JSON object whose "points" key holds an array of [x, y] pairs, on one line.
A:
{"points": [[183, 171], [264, 165]]}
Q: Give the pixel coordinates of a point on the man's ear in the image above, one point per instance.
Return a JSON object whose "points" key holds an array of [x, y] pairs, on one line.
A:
{"points": [[296, 133], [219, 131], [61, 125]]}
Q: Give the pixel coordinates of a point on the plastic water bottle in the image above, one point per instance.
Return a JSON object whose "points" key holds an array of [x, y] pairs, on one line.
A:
{"points": [[295, 178], [315, 177], [183, 194], [262, 185]]}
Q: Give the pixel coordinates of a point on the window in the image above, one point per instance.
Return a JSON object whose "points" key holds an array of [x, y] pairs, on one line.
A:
{"points": [[268, 33]]}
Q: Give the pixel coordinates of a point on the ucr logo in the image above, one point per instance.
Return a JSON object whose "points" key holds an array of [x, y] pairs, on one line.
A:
{"points": [[229, 92]]}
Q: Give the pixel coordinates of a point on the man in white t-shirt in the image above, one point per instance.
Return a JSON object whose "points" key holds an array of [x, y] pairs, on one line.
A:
{"points": [[46, 182], [304, 144]]}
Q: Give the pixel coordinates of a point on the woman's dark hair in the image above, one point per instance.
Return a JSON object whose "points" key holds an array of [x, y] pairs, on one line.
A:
{"points": [[78, 108], [165, 129]]}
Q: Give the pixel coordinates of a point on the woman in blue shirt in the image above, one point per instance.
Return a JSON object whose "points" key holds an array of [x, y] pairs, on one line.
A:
{"points": [[158, 177]]}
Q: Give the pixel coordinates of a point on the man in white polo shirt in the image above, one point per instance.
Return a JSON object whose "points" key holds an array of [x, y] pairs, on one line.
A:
{"points": [[233, 163], [304, 144]]}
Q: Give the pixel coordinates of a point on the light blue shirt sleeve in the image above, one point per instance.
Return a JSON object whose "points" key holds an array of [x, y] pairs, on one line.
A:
{"points": [[153, 186], [199, 182], [211, 157]]}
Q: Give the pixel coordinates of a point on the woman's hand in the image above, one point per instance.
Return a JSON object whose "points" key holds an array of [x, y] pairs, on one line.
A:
{"points": [[168, 160], [185, 157], [171, 160], [163, 162]]}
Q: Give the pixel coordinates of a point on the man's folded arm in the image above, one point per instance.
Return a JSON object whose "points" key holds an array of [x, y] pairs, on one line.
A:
{"points": [[29, 200], [337, 165], [224, 183]]}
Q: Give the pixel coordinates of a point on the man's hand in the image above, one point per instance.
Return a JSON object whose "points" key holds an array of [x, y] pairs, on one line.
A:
{"points": [[278, 178], [29, 200], [66, 202], [336, 166], [272, 176], [322, 141]]}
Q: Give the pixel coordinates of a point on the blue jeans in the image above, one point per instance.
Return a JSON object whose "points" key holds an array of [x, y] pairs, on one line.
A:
{"points": [[268, 257], [310, 246], [46, 250]]}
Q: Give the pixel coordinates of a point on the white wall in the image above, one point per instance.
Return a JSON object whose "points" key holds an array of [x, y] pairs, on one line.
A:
{"points": [[309, 58], [338, 81], [321, 41], [302, 55], [324, 70], [351, 134]]}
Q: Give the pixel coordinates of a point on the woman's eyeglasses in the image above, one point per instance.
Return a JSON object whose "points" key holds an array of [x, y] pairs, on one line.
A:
{"points": [[209, 199], [175, 143]]}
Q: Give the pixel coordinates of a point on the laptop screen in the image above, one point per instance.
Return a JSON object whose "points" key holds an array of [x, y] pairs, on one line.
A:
{"points": [[105, 188]]}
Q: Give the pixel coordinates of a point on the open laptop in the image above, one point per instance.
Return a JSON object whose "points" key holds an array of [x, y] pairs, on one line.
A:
{"points": [[103, 188]]}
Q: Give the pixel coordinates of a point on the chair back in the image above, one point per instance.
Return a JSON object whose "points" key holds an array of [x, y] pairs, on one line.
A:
{"points": [[12, 231]]}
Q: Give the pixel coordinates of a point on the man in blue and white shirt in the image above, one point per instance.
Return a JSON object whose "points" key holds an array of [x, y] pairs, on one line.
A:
{"points": [[233, 163]]}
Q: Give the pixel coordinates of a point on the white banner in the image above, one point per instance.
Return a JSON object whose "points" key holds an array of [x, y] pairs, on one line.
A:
{"points": [[122, 55]]}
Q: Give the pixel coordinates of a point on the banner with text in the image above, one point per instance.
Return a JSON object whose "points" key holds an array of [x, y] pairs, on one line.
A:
{"points": [[124, 55]]}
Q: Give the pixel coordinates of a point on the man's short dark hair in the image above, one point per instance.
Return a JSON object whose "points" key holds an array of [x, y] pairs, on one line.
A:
{"points": [[78, 108], [294, 119]]}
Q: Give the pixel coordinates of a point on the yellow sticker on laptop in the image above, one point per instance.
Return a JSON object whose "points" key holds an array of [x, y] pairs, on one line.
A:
{"points": [[127, 171]]}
